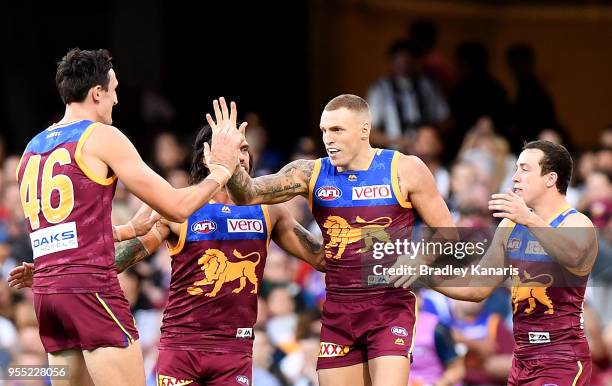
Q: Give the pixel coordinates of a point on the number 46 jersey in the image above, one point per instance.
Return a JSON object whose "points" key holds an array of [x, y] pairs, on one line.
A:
{"points": [[68, 213]]}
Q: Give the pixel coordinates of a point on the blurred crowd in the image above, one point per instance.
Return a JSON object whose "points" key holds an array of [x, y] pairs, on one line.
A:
{"points": [[460, 121]]}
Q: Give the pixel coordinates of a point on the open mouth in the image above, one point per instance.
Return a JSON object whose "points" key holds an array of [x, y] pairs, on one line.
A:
{"points": [[332, 151], [517, 190]]}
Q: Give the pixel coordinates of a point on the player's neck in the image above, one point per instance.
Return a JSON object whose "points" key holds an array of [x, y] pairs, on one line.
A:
{"points": [[223, 197], [361, 161], [548, 206], [77, 112]]}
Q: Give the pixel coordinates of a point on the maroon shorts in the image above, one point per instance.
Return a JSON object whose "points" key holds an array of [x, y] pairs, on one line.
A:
{"points": [[199, 368], [357, 331], [547, 371], [84, 321]]}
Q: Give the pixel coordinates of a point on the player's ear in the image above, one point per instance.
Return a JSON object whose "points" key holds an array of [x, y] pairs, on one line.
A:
{"points": [[551, 180], [96, 93], [365, 131]]}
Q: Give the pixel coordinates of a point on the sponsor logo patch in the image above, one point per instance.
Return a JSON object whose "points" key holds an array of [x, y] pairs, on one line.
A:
{"points": [[399, 331], [328, 193], [332, 350], [204, 227], [243, 380], [371, 192], [400, 342], [225, 209], [352, 177], [244, 225], [53, 239], [539, 337], [534, 248], [244, 333], [164, 380]]}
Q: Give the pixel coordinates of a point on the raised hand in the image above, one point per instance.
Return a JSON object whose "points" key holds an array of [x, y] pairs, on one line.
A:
{"points": [[511, 206], [225, 143]]}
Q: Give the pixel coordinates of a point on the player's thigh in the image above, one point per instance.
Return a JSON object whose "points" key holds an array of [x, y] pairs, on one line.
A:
{"points": [[389, 370], [116, 365], [76, 369], [355, 375]]}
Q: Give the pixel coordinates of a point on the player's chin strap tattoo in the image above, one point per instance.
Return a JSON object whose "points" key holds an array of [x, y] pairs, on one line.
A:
{"points": [[291, 179], [312, 245]]}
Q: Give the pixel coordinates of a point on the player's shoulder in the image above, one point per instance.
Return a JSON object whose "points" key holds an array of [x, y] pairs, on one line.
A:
{"points": [[577, 219], [411, 167]]}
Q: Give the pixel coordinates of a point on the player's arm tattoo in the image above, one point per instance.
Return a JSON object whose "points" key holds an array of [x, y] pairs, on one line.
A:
{"points": [[128, 253], [307, 240], [290, 181]]}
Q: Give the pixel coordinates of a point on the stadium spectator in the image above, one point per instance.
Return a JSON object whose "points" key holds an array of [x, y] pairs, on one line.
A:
{"points": [[404, 99]]}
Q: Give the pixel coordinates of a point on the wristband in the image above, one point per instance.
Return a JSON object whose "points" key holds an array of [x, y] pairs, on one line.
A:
{"points": [[223, 168], [219, 176]]}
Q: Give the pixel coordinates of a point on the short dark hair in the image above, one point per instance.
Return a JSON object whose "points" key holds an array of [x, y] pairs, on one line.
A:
{"points": [[556, 159], [79, 71], [198, 171], [347, 101]]}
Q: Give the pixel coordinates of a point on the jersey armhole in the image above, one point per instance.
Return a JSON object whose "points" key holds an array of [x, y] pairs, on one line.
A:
{"points": [[266, 213], [180, 244], [313, 180], [395, 183], [78, 156]]}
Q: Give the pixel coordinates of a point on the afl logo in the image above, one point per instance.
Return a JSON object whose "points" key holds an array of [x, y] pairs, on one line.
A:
{"points": [[328, 193], [243, 380], [399, 331], [204, 227]]}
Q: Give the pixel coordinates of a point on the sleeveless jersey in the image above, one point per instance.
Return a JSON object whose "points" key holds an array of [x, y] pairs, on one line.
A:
{"points": [[68, 213], [356, 210], [547, 298], [217, 267]]}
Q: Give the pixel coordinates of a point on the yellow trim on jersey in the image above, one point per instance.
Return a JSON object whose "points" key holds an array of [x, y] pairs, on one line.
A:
{"points": [[559, 212], [266, 213], [395, 183], [173, 250], [313, 180], [78, 158], [578, 375], [416, 320], [114, 318]]}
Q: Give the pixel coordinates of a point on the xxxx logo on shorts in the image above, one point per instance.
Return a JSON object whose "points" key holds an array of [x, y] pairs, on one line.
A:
{"points": [[164, 380], [331, 350]]}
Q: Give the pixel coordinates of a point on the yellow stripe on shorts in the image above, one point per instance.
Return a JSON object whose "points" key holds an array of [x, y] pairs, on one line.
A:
{"points": [[107, 308]]}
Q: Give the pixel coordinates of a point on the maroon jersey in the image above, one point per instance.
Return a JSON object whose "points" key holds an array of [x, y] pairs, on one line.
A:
{"points": [[217, 267], [547, 299], [357, 212], [68, 213]]}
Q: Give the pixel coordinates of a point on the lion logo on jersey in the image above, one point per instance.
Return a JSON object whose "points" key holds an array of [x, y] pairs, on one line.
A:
{"points": [[218, 271], [531, 290], [342, 233]]}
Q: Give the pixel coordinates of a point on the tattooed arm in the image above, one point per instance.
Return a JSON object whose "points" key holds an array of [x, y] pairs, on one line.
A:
{"points": [[294, 238], [292, 180], [130, 252]]}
